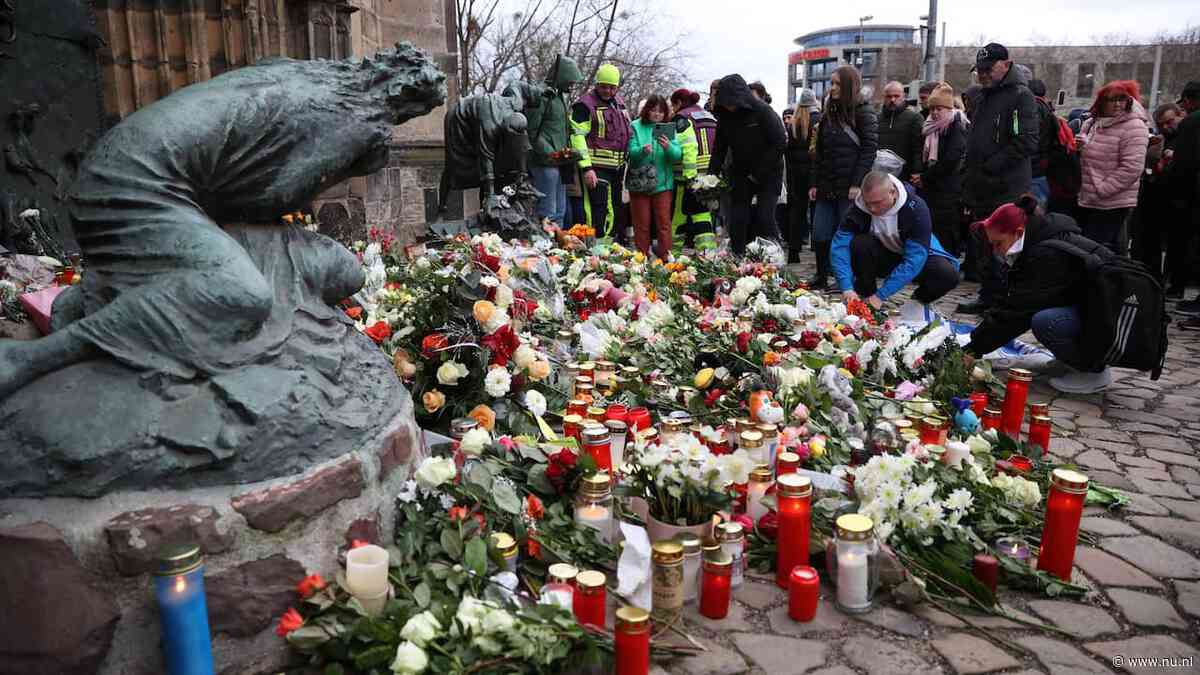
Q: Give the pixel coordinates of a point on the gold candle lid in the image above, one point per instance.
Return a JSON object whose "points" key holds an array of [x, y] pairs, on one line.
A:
{"points": [[581, 388], [855, 527], [505, 543], [573, 418], [595, 434], [744, 424], [616, 426], [729, 531], [787, 458], [590, 579], [633, 619], [633, 371], [902, 424], [649, 435], [793, 485], [768, 430], [593, 412], [1071, 482], [991, 412], [1020, 374], [587, 365], [1043, 419], [761, 474], [562, 573], [606, 366], [668, 551], [178, 559], [750, 439], [595, 484], [720, 563], [690, 543], [582, 379]]}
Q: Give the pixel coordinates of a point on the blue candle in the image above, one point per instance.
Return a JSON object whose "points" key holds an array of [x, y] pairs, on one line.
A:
{"points": [[179, 586]]}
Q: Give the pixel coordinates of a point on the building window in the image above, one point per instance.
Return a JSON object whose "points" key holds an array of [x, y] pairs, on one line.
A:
{"points": [[1086, 74], [1118, 71], [1052, 75]]}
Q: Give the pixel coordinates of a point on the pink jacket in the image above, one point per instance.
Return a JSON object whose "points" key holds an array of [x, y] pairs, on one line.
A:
{"points": [[1112, 159]]}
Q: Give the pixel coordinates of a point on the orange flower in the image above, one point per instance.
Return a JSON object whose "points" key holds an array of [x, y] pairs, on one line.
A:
{"points": [[771, 359], [379, 332], [433, 400], [461, 513], [483, 310], [402, 362], [533, 548], [539, 370], [309, 585], [290, 621], [534, 507], [652, 295], [354, 313], [484, 415]]}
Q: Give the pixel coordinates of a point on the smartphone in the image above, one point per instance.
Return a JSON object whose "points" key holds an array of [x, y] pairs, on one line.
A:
{"points": [[665, 130]]}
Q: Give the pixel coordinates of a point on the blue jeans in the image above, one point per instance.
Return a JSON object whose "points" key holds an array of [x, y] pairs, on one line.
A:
{"points": [[1060, 329], [1040, 188], [828, 215], [553, 204]]}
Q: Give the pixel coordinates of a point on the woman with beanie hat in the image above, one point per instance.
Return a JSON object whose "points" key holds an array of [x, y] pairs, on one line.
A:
{"points": [[1046, 289], [940, 182]]}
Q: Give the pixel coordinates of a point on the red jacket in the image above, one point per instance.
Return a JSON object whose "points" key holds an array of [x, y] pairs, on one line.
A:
{"points": [[1112, 159]]}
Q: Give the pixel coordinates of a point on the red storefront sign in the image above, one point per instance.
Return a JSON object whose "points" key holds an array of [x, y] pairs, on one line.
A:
{"points": [[807, 55]]}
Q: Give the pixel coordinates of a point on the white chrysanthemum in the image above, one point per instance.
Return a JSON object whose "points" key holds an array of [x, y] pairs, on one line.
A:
{"points": [[961, 499], [535, 402]]}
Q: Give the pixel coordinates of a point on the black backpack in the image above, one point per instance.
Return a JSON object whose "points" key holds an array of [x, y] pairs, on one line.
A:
{"points": [[1124, 314]]}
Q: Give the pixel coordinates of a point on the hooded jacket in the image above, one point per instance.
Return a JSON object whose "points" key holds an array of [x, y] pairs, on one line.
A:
{"points": [[546, 107], [1041, 277], [1112, 159], [1003, 139], [839, 161], [752, 132], [908, 220], [900, 132]]}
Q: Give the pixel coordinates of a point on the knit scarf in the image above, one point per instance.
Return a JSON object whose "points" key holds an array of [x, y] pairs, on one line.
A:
{"points": [[932, 130]]}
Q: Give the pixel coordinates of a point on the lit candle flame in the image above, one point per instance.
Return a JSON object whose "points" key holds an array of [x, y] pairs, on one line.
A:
{"points": [[180, 584]]}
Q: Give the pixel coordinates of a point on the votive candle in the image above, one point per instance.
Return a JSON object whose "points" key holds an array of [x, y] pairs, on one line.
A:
{"points": [[183, 612], [1016, 393], [804, 586], [716, 587], [793, 494], [367, 571], [986, 569], [760, 480], [589, 598], [979, 402], [631, 641], [991, 418], [1039, 433], [1064, 508]]}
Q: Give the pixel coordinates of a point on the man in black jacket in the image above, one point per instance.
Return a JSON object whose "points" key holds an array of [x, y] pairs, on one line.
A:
{"points": [[1183, 181], [1003, 138], [900, 130], [750, 130], [1047, 133]]}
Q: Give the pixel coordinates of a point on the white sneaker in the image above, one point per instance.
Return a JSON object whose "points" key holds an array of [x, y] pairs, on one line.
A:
{"points": [[1082, 383]]}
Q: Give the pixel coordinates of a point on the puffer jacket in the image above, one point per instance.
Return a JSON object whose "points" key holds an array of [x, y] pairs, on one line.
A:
{"points": [[838, 161], [1003, 138], [1112, 159]]}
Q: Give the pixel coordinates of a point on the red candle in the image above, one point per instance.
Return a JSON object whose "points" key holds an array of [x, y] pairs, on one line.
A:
{"points": [[631, 641], [802, 593], [1064, 507], [577, 407], [1015, 395], [793, 495], [786, 462], [1039, 433], [986, 569], [639, 418], [716, 586], [596, 445], [1021, 463], [572, 425], [617, 412], [991, 419], [589, 598], [979, 401], [931, 431]]}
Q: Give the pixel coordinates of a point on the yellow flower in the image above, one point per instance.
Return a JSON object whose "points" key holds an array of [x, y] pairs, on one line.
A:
{"points": [[503, 273], [848, 374], [483, 311], [817, 450], [433, 401], [539, 370], [639, 257]]}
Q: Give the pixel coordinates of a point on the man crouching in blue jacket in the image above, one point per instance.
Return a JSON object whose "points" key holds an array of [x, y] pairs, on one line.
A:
{"points": [[888, 232]]}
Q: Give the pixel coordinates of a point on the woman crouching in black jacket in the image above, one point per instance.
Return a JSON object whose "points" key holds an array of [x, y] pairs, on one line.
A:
{"points": [[940, 183]]}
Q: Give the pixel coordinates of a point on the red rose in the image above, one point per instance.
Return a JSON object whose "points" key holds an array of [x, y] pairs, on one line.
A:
{"points": [[290, 621], [561, 463], [309, 585], [847, 330], [379, 332], [768, 525], [584, 315], [461, 513], [432, 344], [501, 344], [354, 313], [534, 507], [770, 326], [851, 364], [710, 398], [743, 341], [809, 339], [578, 296]]}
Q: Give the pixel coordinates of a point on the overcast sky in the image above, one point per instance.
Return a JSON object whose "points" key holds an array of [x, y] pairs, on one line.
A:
{"points": [[754, 37]]}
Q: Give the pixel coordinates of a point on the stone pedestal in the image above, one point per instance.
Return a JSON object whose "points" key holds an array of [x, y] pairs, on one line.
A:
{"points": [[76, 592]]}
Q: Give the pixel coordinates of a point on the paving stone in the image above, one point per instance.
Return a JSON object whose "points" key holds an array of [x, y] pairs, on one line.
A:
{"points": [[1188, 508], [1185, 474], [782, 656], [736, 618], [991, 621], [895, 620], [1143, 418], [1187, 412], [1144, 609], [1066, 446], [1174, 458], [827, 620], [1079, 407], [1111, 435], [1108, 570], [1189, 596], [1060, 657], [1140, 428], [1128, 402], [1194, 490], [1141, 646], [884, 658], [1140, 462], [1136, 392], [1151, 474], [1112, 480], [938, 617], [836, 670], [969, 654], [1159, 487], [1177, 530], [1094, 459], [1164, 443], [1076, 618], [1154, 556], [759, 596], [1143, 504], [1092, 422], [718, 660]]}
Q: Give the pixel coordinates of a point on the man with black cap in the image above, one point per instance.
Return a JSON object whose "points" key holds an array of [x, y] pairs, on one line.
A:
{"points": [[1003, 138], [1183, 180]]}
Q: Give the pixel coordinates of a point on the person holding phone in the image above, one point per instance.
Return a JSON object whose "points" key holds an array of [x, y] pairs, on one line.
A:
{"points": [[653, 150]]}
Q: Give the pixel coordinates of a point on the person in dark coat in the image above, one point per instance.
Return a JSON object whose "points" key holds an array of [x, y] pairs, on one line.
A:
{"points": [[800, 127], [1046, 288], [923, 93], [1003, 138], [945, 144], [844, 151], [752, 134], [1160, 222], [900, 130], [1183, 183]]}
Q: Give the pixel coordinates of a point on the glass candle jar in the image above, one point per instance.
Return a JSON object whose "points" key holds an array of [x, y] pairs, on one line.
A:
{"points": [[1039, 409], [507, 546], [716, 587], [770, 434], [731, 433], [596, 414], [930, 431], [183, 611], [857, 564], [752, 442], [691, 566], [672, 430], [1064, 507], [593, 505], [991, 418], [459, 427], [1016, 393], [632, 375], [666, 581], [1039, 433], [618, 412], [760, 480], [587, 368], [639, 419], [804, 584], [585, 393], [617, 433], [986, 569], [604, 371], [793, 496], [581, 380], [596, 445], [565, 376], [562, 573], [590, 598], [577, 406], [1021, 463], [631, 641], [979, 402], [786, 462], [733, 544], [560, 586], [572, 426]]}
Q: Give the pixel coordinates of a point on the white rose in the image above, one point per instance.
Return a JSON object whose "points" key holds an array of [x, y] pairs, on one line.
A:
{"points": [[499, 320], [450, 373], [410, 660], [420, 629], [979, 445], [470, 614], [434, 471], [497, 382], [474, 440], [497, 621], [535, 402], [489, 281], [504, 296], [524, 356]]}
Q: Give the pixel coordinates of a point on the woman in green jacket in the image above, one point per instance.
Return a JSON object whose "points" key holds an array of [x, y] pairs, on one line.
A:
{"points": [[652, 152]]}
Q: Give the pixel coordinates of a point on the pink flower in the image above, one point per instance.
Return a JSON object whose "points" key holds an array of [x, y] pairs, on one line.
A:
{"points": [[800, 413], [507, 443], [907, 390], [916, 450]]}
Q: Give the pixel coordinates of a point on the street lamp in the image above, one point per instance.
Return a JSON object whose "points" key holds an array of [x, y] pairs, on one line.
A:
{"points": [[861, 38]]}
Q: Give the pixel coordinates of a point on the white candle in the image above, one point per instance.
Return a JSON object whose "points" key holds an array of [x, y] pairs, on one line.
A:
{"points": [[367, 571], [734, 549], [955, 453], [616, 446], [598, 518], [555, 593], [852, 580], [754, 500]]}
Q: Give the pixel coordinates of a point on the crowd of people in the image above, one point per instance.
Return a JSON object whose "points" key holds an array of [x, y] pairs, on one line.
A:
{"points": [[967, 184]]}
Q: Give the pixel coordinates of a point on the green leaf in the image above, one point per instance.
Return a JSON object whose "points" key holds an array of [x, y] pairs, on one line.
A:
{"points": [[422, 594], [452, 543], [374, 656], [476, 557], [538, 481], [480, 475], [335, 669], [307, 638], [506, 498]]}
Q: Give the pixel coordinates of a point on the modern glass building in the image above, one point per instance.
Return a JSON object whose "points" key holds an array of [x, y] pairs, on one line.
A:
{"points": [[881, 53]]}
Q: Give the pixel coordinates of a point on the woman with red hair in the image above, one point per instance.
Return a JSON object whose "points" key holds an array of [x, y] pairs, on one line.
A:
{"points": [[1112, 155]]}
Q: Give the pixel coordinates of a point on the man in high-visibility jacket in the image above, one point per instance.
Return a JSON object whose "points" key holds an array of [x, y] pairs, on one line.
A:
{"points": [[696, 133], [600, 132]]}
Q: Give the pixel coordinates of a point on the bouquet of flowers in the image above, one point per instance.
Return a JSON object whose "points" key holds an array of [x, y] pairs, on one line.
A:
{"points": [[682, 481], [708, 189]]}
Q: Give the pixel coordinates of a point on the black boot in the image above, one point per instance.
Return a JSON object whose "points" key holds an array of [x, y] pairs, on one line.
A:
{"points": [[820, 280]]}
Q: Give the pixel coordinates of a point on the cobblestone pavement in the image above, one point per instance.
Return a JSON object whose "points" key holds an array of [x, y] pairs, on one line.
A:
{"points": [[1140, 437]]}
